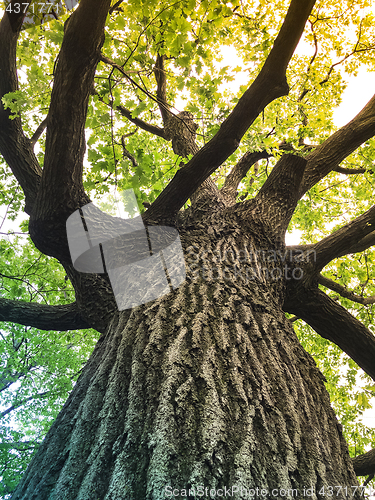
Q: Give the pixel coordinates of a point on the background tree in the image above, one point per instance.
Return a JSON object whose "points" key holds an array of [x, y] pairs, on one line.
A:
{"points": [[208, 385]]}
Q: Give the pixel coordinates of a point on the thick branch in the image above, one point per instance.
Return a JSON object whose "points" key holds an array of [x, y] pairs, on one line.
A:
{"points": [[364, 465], [106, 60], [181, 130], [341, 144], [153, 129], [44, 317], [363, 244], [344, 292], [356, 247], [269, 85], [239, 171], [15, 148], [278, 196], [333, 322], [345, 240], [61, 191]]}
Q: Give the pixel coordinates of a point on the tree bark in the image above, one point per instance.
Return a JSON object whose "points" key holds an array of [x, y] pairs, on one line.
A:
{"points": [[45, 317], [206, 386], [365, 464]]}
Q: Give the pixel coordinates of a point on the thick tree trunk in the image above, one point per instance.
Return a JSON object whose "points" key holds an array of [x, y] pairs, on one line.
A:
{"points": [[207, 386]]}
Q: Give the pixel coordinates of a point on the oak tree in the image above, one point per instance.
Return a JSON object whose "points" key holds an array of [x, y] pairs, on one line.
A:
{"points": [[208, 385]]}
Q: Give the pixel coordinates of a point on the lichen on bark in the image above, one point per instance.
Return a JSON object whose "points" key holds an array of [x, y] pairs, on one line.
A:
{"points": [[206, 386]]}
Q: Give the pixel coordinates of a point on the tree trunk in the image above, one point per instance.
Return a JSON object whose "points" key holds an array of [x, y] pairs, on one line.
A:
{"points": [[207, 387]]}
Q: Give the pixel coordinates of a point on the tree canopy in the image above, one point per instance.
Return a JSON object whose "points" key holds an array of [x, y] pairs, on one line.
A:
{"points": [[159, 59]]}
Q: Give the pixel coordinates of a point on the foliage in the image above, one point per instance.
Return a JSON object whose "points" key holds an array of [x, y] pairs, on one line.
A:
{"points": [[191, 35], [38, 368]]}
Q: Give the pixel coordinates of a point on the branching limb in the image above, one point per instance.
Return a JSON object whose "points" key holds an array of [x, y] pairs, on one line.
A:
{"points": [[116, 6], [15, 148], [345, 240], [335, 149], [153, 129], [364, 465], [10, 378], [370, 478], [309, 251], [278, 197], [363, 244], [178, 128], [239, 171], [61, 191], [19, 445], [333, 322], [344, 292], [181, 130], [269, 85], [44, 317]]}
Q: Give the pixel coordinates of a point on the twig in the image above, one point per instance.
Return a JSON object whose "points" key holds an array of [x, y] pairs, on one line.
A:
{"points": [[344, 292]]}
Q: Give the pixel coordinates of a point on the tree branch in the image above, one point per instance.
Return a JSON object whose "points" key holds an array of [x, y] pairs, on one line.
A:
{"points": [[106, 60], [364, 465], [61, 191], [161, 92], [363, 244], [181, 130], [15, 148], [345, 240], [38, 132], [24, 401], [350, 171], [344, 292], [44, 317], [19, 445], [333, 322], [116, 6], [127, 154], [278, 197], [178, 128], [336, 148], [269, 85], [239, 171], [153, 129]]}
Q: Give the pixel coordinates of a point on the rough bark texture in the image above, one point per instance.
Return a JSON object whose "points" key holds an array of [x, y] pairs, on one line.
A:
{"points": [[65, 317], [365, 464], [205, 386]]}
